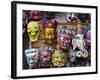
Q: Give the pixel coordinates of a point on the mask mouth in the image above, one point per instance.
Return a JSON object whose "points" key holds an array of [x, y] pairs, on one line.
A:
{"points": [[45, 63], [36, 32], [65, 46]]}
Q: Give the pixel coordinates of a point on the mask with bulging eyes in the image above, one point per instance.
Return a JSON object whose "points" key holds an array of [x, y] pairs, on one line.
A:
{"points": [[45, 57], [33, 30], [58, 58], [63, 41], [32, 57]]}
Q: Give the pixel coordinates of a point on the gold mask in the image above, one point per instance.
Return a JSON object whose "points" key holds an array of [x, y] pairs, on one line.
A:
{"points": [[49, 35]]}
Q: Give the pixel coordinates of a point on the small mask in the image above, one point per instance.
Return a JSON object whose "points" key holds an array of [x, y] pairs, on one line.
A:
{"points": [[36, 15], [45, 57], [58, 59], [50, 30], [33, 31], [32, 57], [72, 18]]}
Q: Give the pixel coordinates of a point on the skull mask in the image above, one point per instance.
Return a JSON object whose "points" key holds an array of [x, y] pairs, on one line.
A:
{"points": [[32, 57], [33, 31]]}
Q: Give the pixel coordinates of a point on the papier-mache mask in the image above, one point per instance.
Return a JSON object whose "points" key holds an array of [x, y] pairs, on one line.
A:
{"points": [[72, 18], [45, 56], [79, 43], [50, 31], [33, 30], [58, 58], [63, 40], [32, 57], [34, 15]]}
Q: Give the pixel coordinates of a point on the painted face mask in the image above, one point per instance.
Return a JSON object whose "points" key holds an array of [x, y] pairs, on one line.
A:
{"points": [[50, 30], [36, 15], [63, 40], [79, 44], [33, 31], [58, 59], [45, 58], [72, 18], [32, 57]]}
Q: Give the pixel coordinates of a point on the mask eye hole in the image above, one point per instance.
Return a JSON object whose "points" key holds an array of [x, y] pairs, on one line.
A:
{"points": [[77, 38]]}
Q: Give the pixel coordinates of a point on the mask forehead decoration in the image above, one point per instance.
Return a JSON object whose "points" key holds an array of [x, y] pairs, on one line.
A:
{"points": [[58, 58], [45, 57], [50, 31], [33, 30], [63, 39], [32, 57], [72, 17]]}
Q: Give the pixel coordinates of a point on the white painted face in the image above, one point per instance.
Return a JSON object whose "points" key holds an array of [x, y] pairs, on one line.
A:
{"points": [[32, 57], [78, 42]]}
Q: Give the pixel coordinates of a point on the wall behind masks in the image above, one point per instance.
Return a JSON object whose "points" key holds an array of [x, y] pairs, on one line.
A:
{"points": [[5, 40]]}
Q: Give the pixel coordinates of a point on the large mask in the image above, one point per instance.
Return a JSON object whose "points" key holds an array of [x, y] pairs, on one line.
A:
{"points": [[50, 30], [58, 59], [63, 40], [79, 44], [45, 57], [32, 57], [33, 30]]}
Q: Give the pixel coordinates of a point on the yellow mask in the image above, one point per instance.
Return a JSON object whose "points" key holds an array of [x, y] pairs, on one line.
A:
{"points": [[33, 31], [49, 35], [58, 59]]}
